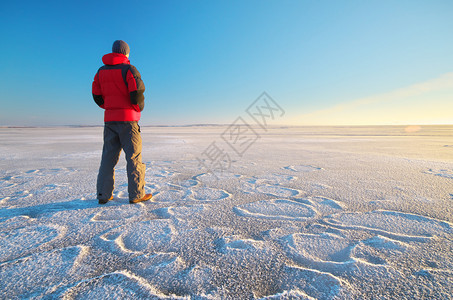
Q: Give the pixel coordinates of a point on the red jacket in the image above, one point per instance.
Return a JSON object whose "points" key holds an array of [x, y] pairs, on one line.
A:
{"points": [[118, 88]]}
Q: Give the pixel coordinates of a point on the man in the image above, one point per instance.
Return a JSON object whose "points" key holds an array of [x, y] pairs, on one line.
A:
{"points": [[118, 89]]}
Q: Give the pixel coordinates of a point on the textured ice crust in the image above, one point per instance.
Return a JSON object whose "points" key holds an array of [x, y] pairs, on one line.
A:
{"points": [[365, 213]]}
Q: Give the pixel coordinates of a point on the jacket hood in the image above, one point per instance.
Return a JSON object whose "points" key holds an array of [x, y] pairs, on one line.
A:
{"points": [[115, 59]]}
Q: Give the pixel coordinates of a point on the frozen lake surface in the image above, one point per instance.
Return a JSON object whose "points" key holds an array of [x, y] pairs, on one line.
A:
{"points": [[298, 213]]}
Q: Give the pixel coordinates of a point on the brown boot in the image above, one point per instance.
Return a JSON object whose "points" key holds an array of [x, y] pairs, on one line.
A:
{"points": [[144, 198], [104, 201]]}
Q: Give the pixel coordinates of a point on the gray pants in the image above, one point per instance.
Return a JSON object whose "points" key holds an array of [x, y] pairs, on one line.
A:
{"points": [[117, 136]]}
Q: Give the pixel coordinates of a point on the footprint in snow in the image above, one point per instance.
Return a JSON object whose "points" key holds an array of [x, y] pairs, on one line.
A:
{"points": [[284, 209], [215, 177], [209, 194], [170, 195], [170, 274], [142, 237], [116, 285], [441, 172], [179, 213], [43, 271], [324, 205], [395, 225], [337, 255], [233, 244], [117, 213], [272, 179], [278, 191], [7, 182], [302, 283], [377, 250], [50, 172], [277, 209], [318, 248], [302, 168], [25, 240]]}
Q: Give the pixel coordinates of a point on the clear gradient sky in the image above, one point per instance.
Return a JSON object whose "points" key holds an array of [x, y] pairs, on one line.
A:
{"points": [[324, 62]]}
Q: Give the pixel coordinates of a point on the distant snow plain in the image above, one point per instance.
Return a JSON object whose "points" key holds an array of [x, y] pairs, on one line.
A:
{"points": [[301, 213]]}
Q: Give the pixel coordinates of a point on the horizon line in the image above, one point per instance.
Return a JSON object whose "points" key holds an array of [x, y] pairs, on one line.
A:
{"points": [[229, 124]]}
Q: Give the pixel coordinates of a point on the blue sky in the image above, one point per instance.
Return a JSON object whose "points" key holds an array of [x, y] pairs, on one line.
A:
{"points": [[324, 62]]}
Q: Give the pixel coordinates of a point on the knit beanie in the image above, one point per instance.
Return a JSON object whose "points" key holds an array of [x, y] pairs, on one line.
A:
{"points": [[120, 46]]}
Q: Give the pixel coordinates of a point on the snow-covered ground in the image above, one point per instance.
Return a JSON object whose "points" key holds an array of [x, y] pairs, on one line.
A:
{"points": [[299, 213]]}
